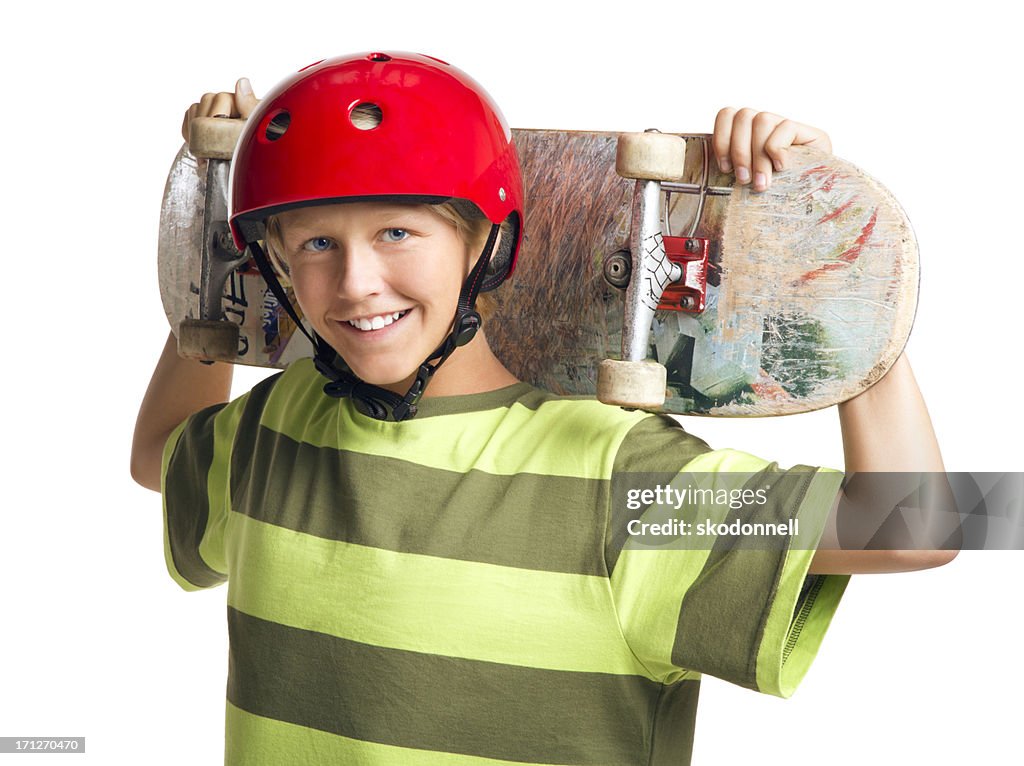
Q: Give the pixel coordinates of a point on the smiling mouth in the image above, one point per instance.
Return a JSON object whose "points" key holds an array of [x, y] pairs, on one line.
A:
{"points": [[366, 324]]}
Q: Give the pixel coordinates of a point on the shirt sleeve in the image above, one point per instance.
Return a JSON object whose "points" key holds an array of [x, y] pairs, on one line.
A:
{"points": [[732, 598], [195, 485]]}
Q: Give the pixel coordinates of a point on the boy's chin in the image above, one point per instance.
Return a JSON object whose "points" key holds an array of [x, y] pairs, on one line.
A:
{"points": [[385, 376], [387, 380]]}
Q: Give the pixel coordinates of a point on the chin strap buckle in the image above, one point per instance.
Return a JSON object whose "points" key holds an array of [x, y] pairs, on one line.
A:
{"points": [[374, 401], [465, 328], [407, 407]]}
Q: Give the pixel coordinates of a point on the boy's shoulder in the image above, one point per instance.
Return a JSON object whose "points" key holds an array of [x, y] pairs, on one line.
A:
{"points": [[516, 429], [295, 396]]}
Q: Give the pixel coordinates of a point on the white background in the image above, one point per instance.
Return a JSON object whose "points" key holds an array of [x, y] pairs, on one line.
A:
{"points": [[96, 640]]}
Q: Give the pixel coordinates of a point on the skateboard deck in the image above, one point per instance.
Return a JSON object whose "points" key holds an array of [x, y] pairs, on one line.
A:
{"points": [[811, 286]]}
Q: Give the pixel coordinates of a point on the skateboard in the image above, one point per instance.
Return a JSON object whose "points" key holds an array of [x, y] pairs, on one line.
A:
{"points": [[720, 300]]}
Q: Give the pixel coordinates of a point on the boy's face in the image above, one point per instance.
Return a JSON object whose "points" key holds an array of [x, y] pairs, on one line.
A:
{"points": [[354, 266]]}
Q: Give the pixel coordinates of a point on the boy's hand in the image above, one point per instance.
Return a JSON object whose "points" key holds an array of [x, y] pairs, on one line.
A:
{"points": [[756, 142], [237, 104]]}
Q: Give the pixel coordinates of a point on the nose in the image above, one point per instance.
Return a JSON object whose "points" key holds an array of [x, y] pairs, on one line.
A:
{"points": [[359, 272]]}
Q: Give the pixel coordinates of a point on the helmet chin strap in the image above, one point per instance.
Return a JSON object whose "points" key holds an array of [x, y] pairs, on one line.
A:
{"points": [[375, 401]]}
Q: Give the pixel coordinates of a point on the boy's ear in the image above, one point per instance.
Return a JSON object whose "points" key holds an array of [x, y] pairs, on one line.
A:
{"points": [[476, 247], [501, 258]]}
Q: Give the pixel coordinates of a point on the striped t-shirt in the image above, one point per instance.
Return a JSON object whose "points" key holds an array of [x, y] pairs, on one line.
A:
{"points": [[461, 588]]}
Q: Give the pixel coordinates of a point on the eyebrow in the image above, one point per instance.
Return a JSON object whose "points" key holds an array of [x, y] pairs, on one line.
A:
{"points": [[385, 217]]}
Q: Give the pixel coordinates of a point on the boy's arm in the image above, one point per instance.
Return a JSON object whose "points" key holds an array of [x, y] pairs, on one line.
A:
{"points": [[886, 429], [179, 388]]}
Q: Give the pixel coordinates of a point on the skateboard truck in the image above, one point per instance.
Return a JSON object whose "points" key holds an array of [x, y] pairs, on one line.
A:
{"points": [[689, 293], [212, 336], [635, 381]]}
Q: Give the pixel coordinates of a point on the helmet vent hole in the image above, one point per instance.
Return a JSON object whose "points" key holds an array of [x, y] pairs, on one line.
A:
{"points": [[366, 116], [379, 57], [277, 125]]}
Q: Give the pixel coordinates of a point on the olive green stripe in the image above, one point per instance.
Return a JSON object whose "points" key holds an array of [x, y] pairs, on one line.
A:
{"points": [[427, 604], [521, 394], [280, 742], [653, 451], [658, 444], [431, 702], [539, 522], [674, 724], [649, 584], [249, 423], [187, 459], [226, 424], [791, 640], [194, 486], [543, 438], [732, 597]]}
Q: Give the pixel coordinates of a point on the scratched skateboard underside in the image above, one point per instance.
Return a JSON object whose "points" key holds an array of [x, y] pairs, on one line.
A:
{"points": [[811, 285], [811, 295], [267, 336]]}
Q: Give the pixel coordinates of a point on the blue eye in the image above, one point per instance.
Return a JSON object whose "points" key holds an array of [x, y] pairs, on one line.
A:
{"points": [[395, 235], [318, 244]]}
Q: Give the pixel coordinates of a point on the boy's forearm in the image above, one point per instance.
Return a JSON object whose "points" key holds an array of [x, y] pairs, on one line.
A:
{"points": [[887, 428], [178, 388]]}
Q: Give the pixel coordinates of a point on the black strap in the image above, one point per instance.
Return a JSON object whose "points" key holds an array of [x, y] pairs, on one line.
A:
{"points": [[263, 264]]}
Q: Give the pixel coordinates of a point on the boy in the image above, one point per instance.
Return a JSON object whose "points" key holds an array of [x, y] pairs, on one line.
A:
{"points": [[425, 560]]}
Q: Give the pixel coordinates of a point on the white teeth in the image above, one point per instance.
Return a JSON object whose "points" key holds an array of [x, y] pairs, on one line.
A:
{"points": [[375, 323]]}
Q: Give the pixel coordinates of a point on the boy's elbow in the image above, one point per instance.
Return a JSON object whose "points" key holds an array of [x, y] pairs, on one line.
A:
{"points": [[931, 559], [916, 560]]}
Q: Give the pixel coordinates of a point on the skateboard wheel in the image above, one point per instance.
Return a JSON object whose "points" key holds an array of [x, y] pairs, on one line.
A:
{"points": [[631, 384], [650, 156], [214, 138], [208, 340]]}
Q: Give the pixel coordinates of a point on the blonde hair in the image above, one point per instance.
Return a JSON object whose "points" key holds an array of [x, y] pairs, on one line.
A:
{"points": [[470, 224]]}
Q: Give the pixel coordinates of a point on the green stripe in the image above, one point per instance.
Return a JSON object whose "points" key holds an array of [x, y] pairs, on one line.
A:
{"points": [[425, 603], [187, 460], [538, 522], [539, 438], [437, 703], [648, 586]]}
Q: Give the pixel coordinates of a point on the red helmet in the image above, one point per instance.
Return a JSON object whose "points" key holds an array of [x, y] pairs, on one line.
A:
{"points": [[393, 125]]}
